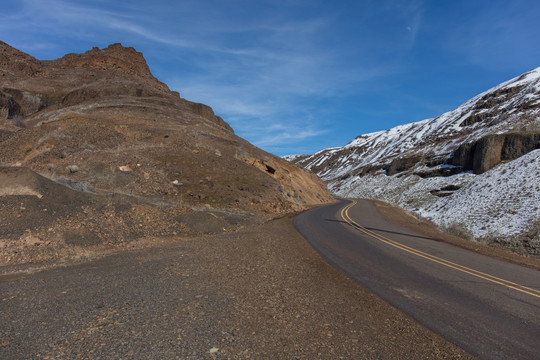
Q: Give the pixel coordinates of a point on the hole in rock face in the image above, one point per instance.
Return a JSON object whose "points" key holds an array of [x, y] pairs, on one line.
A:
{"points": [[270, 169]]}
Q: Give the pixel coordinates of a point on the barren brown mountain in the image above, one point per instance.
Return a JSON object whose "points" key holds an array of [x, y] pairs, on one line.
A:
{"points": [[96, 153]]}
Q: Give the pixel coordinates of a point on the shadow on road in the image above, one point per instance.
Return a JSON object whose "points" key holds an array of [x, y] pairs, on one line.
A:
{"points": [[385, 231], [400, 233], [339, 221]]}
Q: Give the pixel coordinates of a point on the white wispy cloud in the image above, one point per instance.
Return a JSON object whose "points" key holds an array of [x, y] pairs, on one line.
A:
{"points": [[287, 136], [502, 35]]}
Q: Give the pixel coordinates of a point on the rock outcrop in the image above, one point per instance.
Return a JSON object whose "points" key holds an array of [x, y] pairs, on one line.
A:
{"points": [[485, 153], [115, 57]]}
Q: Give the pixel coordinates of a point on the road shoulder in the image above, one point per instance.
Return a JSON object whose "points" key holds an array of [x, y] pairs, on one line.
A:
{"points": [[401, 217]]}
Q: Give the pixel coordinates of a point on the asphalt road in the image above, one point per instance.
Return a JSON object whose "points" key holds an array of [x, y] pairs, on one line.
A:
{"points": [[486, 306]]}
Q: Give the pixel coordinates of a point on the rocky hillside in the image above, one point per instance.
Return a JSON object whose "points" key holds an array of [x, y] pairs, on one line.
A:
{"points": [[95, 151], [435, 167]]}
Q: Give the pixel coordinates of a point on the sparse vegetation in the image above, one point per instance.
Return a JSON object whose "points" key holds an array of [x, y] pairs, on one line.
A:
{"points": [[49, 99], [459, 231], [19, 121]]}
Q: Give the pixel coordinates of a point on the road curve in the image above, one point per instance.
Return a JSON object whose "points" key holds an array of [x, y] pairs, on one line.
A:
{"points": [[486, 306]]}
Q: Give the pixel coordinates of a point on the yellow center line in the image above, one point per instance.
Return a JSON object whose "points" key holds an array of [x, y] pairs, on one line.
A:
{"points": [[345, 216], [380, 237]]}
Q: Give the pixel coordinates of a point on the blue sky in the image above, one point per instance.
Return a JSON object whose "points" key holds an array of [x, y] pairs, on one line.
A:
{"points": [[297, 76]]}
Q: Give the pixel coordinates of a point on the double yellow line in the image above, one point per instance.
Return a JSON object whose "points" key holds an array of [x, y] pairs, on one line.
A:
{"points": [[345, 215]]}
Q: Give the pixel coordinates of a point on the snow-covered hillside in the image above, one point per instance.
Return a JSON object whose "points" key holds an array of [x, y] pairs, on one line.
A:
{"points": [[474, 168], [512, 106]]}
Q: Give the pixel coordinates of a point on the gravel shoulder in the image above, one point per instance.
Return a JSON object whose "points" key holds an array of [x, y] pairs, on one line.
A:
{"points": [[405, 219], [260, 293]]}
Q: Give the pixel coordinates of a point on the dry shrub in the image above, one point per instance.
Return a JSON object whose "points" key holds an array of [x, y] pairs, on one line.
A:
{"points": [[19, 121], [459, 231]]}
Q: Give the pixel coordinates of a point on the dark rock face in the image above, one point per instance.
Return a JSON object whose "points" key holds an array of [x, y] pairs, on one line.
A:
{"points": [[463, 156], [516, 145], [487, 153], [402, 164], [490, 150], [15, 102], [8, 106]]}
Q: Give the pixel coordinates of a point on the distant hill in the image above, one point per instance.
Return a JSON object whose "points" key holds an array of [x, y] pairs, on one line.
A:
{"points": [[474, 170], [134, 159]]}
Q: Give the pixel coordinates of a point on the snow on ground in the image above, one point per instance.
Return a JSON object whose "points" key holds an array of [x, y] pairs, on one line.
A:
{"points": [[502, 202]]}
